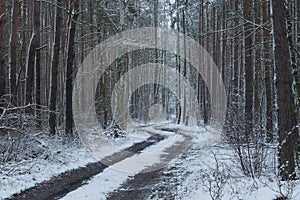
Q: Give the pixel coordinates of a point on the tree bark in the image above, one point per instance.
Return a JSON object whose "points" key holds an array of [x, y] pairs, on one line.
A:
{"points": [[286, 116], [14, 50], [3, 48], [156, 75], [184, 70], [33, 62], [55, 59], [248, 69], [70, 75], [268, 74], [37, 28]]}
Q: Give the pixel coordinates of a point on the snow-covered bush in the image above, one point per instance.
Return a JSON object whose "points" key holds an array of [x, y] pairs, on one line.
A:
{"points": [[215, 178], [252, 150], [15, 140]]}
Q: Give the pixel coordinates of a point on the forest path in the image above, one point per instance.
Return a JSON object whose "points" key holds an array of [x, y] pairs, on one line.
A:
{"points": [[68, 181], [133, 177], [141, 185]]}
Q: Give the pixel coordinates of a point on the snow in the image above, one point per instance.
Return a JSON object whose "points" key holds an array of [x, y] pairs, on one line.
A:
{"points": [[99, 186], [207, 169], [112, 177], [59, 156], [203, 168]]}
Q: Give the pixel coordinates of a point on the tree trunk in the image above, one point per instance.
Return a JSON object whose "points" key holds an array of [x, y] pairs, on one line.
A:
{"points": [[247, 5], [33, 62], [178, 65], [286, 116], [184, 70], [291, 22], [3, 48], [156, 75], [37, 28], [70, 75], [14, 50], [268, 74], [55, 59]]}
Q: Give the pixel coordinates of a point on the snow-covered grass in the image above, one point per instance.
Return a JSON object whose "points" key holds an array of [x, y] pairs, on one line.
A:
{"points": [[49, 156], [219, 177], [53, 155], [215, 173]]}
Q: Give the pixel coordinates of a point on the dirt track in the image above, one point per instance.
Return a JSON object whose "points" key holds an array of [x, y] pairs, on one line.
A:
{"points": [[141, 185], [66, 182]]}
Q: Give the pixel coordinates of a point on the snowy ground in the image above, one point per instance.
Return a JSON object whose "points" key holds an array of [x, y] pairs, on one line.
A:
{"points": [[214, 173], [202, 172], [112, 177], [52, 156], [57, 156]]}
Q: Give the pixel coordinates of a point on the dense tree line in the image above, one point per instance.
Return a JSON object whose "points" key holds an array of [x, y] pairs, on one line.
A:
{"points": [[254, 43]]}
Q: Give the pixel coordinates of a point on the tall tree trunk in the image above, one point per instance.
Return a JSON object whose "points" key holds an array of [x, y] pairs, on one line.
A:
{"points": [[247, 5], [291, 22], [156, 75], [184, 70], [37, 28], [13, 50], [257, 62], [236, 74], [55, 59], [33, 61], [199, 81], [286, 116], [70, 75], [204, 45], [268, 74], [178, 65], [3, 48]]}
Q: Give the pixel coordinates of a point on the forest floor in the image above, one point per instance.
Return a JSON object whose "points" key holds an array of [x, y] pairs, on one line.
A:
{"points": [[185, 167]]}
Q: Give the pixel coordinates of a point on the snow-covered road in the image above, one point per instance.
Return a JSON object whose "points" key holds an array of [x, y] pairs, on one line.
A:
{"points": [[136, 167], [152, 158]]}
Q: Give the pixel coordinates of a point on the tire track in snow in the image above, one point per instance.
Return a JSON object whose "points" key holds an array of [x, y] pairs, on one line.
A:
{"points": [[66, 182], [141, 184]]}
